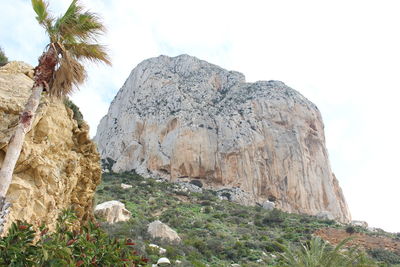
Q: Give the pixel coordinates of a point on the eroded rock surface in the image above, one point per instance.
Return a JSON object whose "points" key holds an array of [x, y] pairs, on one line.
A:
{"points": [[59, 164], [182, 118]]}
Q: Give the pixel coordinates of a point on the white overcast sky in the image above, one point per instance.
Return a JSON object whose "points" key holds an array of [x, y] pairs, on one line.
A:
{"points": [[343, 55]]}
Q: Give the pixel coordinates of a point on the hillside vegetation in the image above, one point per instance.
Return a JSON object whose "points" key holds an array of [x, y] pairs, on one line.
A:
{"points": [[3, 58], [214, 232]]}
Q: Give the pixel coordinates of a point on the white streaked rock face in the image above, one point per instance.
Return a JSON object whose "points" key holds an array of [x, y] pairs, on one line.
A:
{"points": [[182, 118]]}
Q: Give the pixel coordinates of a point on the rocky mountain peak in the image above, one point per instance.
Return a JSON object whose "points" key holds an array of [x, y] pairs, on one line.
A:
{"points": [[185, 119]]}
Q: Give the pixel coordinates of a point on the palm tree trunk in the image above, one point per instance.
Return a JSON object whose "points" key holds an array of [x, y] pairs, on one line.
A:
{"points": [[43, 75], [14, 150], [16, 141]]}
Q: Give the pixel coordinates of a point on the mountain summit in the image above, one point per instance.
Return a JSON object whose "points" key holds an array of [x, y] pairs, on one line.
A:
{"points": [[187, 120]]}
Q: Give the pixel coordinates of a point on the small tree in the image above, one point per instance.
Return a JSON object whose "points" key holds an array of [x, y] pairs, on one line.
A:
{"points": [[350, 229], [3, 58], [72, 38]]}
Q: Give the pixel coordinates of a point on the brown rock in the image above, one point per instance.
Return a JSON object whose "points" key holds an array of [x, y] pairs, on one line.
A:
{"points": [[59, 165]]}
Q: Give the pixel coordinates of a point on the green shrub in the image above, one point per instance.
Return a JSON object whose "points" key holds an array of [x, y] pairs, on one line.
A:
{"points": [[208, 210], [350, 229], [77, 113], [107, 164], [88, 246], [316, 253], [384, 256], [273, 247], [273, 217], [197, 263], [197, 183], [3, 58]]}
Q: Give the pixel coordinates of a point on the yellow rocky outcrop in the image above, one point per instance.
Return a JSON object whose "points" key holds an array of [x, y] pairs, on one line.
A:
{"points": [[59, 164]]}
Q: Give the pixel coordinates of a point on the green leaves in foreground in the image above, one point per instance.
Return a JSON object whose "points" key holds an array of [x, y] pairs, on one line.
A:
{"points": [[89, 246], [316, 253]]}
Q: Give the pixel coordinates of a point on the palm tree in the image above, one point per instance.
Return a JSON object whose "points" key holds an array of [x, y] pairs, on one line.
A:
{"points": [[316, 253], [73, 38]]}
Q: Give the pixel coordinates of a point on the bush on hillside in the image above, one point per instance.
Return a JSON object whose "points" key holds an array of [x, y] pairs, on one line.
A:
{"points": [[77, 113], [107, 164], [197, 183], [274, 217], [317, 252], [3, 58], [88, 246], [396, 236], [350, 229], [384, 256]]}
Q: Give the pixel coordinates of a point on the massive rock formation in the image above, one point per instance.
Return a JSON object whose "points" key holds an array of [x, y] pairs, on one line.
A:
{"points": [[59, 165], [182, 118]]}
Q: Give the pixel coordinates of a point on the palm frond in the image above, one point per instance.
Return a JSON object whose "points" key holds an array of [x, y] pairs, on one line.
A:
{"points": [[316, 254], [68, 76], [89, 26], [75, 23], [72, 11], [92, 52], [43, 17], [73, 37]]}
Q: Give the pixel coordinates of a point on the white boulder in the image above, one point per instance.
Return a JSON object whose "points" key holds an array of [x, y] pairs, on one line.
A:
{"points": [[126, 186], [163, 261], [359, 223], [158, 248], [325, 215], [158, 229], [268, 205], [112, 211]]}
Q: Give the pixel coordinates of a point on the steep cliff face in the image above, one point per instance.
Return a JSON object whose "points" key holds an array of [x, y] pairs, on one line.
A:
{"points": [[59, 165], [182, 118]]}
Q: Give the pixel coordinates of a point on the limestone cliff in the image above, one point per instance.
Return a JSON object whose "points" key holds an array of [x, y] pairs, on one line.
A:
{"points": [[182, 118], [59, 165]]}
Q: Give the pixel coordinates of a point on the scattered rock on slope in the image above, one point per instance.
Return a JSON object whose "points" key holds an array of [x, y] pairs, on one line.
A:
{"points": [[268, 205], [158, 229], [112, 211], [182, 118], [125, 186]]}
